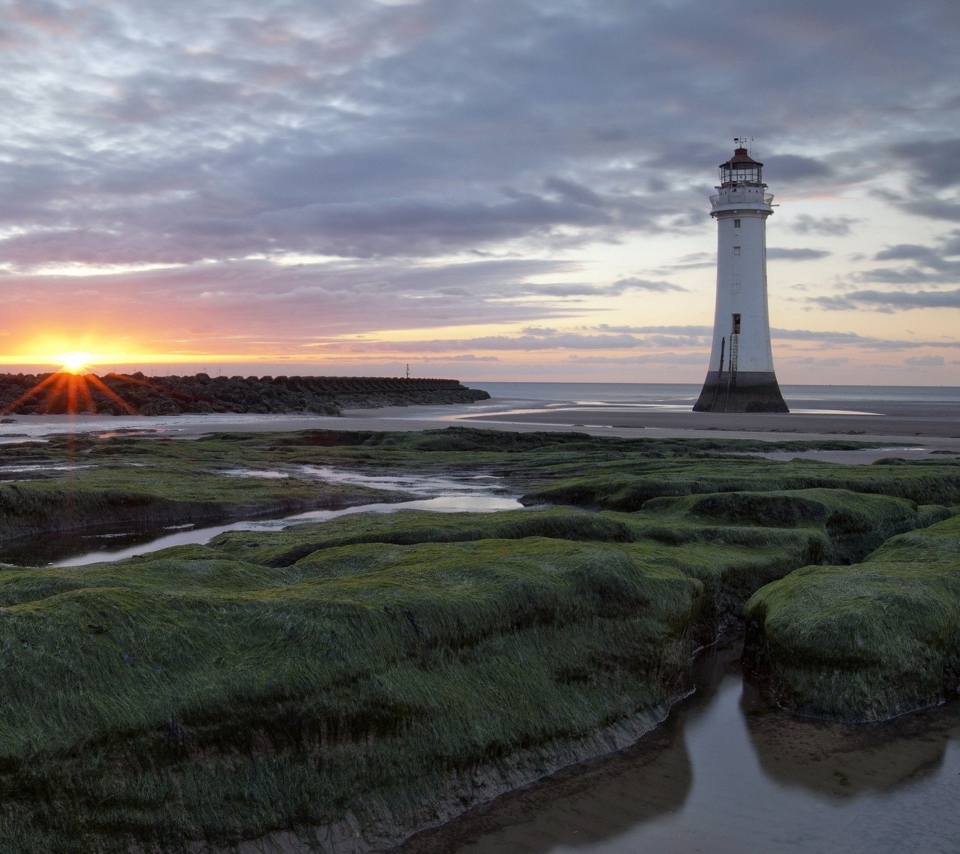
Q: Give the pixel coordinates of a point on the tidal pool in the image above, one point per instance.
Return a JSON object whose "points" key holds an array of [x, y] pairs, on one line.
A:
{"points": [[467, 493], [726, 774]]}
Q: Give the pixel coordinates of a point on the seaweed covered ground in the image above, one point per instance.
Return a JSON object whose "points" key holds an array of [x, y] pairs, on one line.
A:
{"points": [[346, 683], [83, 483], [869, 641]]}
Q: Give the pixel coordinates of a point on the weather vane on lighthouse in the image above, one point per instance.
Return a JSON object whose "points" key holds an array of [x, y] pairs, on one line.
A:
{"points": [[740, 376]]}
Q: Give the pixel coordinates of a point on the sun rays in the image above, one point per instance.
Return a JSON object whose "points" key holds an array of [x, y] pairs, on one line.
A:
{"points": [[70, 391]]}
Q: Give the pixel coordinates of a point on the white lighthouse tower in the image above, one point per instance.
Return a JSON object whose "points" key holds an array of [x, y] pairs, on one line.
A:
{"points": [[740, 375]]}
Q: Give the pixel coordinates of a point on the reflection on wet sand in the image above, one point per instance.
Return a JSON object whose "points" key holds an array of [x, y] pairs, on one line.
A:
{"points": [[590, 804], [845, 760], [598, 802], [727, 774]]}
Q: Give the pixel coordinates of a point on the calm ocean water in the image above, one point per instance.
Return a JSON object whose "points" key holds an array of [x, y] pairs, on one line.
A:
{"points": [[687, 393], [898, 401]]}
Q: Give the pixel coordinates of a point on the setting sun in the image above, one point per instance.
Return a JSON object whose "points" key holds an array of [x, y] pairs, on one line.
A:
{"points": [[75, 362]]}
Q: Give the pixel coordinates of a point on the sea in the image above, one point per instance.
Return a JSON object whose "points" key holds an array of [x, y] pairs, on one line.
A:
{"points": [[919, 401], [687, 393]]}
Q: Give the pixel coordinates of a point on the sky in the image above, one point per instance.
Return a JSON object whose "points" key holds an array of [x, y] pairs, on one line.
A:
{"points": [[479, 189]]}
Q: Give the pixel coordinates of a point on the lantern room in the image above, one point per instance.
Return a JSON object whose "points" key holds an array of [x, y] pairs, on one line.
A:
{"points": [[741, 169]]}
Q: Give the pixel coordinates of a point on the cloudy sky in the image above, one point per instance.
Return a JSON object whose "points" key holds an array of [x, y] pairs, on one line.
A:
{"points": [[484, 189]]}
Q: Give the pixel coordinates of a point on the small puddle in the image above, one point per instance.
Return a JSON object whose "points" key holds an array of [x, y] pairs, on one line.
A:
{"points": [[35, 471], [432, 485], [266, 474]]}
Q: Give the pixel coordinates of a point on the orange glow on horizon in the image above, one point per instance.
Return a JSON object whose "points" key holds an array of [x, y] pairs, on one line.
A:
{"points": [[75, 361]]}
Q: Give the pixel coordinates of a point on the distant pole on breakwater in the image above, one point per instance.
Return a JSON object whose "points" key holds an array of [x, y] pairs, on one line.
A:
{"points": [[740, 376]]}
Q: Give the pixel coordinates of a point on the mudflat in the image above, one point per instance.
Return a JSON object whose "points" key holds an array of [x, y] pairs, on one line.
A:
{"points": [[885, 419], [937, 426]]}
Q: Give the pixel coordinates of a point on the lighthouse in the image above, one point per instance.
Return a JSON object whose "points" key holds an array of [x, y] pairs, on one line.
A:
{"points": [[740, 376]]}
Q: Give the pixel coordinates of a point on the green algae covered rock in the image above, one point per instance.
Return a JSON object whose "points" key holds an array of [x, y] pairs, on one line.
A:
{"points": [[867, 641], [630, 482], [357, 672], [855, 523], [188, 694]]}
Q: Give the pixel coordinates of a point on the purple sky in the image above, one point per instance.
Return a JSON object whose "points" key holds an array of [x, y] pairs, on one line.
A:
{"points": [[486, 190]]}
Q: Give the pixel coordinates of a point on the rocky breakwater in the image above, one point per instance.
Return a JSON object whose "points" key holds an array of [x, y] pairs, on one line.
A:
{"points": [[121, 394]]}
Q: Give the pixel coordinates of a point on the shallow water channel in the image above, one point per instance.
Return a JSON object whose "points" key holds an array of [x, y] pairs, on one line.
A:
{"points": [[726, 774], [451, 494]]}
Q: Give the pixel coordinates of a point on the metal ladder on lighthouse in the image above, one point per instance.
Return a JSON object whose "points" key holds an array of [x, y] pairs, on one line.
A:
{"points": [[732, 374]]}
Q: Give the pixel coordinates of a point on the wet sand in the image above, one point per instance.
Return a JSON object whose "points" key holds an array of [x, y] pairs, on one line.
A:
{"points": [[909, 430], [900, 425]]}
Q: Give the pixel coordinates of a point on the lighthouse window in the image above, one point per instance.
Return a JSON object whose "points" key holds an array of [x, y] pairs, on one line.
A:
{"points": [[736, 250], [736, 223], [736, 324]]}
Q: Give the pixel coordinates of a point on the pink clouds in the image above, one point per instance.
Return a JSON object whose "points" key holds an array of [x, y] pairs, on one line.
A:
{"points": [[388, 145]]}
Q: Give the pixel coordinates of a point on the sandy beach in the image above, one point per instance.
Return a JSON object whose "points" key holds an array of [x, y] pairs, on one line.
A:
{"points": [[905, 434], [907, 431]]}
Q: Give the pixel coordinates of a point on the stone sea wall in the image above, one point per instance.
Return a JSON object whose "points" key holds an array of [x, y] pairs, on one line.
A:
{"points": [[136, 394]]}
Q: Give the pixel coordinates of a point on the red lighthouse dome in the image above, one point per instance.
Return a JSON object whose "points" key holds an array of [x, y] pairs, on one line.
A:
{"points": [[741, 169]]}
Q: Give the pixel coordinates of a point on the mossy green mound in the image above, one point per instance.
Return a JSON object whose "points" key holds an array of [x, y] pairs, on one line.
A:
{"points": [[864, 642], [854, 523], [777, 531], [360, 667], [190, 695], [211, 692], [82, 483], [408, 527], [807, 527], [635, 481]]}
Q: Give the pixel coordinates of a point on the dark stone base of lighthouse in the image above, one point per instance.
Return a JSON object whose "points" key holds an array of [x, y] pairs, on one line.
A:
{"points": [[756, 391]]}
